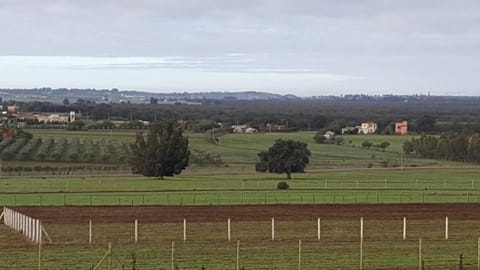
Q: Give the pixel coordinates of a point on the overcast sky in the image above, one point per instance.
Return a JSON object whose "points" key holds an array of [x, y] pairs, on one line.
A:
{"points": [[303, 47]]}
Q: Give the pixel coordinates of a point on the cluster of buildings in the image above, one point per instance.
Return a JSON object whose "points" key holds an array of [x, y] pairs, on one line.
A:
{"points": [[267, 128], [401, 128], [13, 113], [243, 129]]}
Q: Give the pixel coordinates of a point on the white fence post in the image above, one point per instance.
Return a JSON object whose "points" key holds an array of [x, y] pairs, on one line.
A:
{"points": [[273, 229], [24, 225], [446, 228], [229, 230], [184, 229], [40, 232], [318, 229], [361, 228], [29, 228], [404, 228], [34, 230], [37, 231], [136, 230], [90, 231]]}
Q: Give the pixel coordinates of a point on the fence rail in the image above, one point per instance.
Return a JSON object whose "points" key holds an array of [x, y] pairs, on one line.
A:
{"points": [[240, 197]]}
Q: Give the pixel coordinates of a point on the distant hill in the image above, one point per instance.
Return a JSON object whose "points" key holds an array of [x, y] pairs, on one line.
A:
{"points": [[115, 95]]}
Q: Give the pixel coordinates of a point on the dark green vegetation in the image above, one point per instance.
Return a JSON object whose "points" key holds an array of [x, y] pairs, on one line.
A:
{"points": [[65, 148], [284, 156], [425, 114], [451, 146], [163, 151]]}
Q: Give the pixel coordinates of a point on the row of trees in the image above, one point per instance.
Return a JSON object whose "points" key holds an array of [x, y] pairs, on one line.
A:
{"points": [[450, 146]]}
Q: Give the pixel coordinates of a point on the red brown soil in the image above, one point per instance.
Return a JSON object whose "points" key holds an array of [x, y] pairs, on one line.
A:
{"points": [[167, 214]]}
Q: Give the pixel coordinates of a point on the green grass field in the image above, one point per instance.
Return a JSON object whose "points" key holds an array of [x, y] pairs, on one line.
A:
{"points": [[335, 175], [237, 152], [348, 186]]}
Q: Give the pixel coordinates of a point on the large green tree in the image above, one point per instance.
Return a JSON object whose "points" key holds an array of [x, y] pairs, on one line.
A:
{"points": [[284, 156], [163, 151]]}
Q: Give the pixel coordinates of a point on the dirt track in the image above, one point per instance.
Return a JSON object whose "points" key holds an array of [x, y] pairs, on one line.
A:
{"points": [[166, 214]]}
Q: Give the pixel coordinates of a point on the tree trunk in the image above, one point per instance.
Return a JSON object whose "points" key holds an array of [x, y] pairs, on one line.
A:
{"points": [[289, 175]]}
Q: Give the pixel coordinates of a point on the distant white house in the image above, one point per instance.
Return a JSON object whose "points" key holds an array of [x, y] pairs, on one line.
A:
{"points": [[251, 130], [243, 129], [367, 128], [239, 128], [329, 135], [56, 117]]}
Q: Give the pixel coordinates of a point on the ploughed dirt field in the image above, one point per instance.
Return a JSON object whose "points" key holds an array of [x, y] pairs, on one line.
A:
{"points": [[172, 214]]}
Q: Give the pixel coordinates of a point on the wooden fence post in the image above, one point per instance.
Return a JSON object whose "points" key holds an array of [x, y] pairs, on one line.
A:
{"points": [[238, 254], [109, 252], [361, 243], [39, 226], [361, 253], [299, 254], [420, 254], [173, 256], [478, 254]]}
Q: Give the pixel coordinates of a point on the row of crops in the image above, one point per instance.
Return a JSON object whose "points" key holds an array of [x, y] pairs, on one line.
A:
{"points": [[62, 149]]}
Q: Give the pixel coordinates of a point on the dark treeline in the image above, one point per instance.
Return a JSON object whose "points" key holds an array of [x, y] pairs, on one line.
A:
{"points": [[427, 116], [448, 146]]}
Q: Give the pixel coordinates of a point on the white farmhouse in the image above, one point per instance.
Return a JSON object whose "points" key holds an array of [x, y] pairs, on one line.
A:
{"points": [[367, 128]]}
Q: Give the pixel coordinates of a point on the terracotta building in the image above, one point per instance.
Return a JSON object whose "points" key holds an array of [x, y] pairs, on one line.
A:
{"points": [[401, 128]]}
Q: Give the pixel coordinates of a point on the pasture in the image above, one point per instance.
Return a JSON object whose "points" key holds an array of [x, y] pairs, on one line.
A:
{"points": [[342, 184], [413, 185], [53, 152]]}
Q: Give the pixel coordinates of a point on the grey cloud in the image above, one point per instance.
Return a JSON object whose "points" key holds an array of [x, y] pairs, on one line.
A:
{"points": [[409, 43]]}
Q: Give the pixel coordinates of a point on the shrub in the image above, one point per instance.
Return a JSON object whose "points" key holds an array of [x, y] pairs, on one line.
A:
{"points": [[319, 138], [367, 144], [283, 185]]}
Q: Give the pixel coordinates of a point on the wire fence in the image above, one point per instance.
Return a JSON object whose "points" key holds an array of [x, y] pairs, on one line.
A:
{"points": [[213, 255], [340, 244], [240, 197]]}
